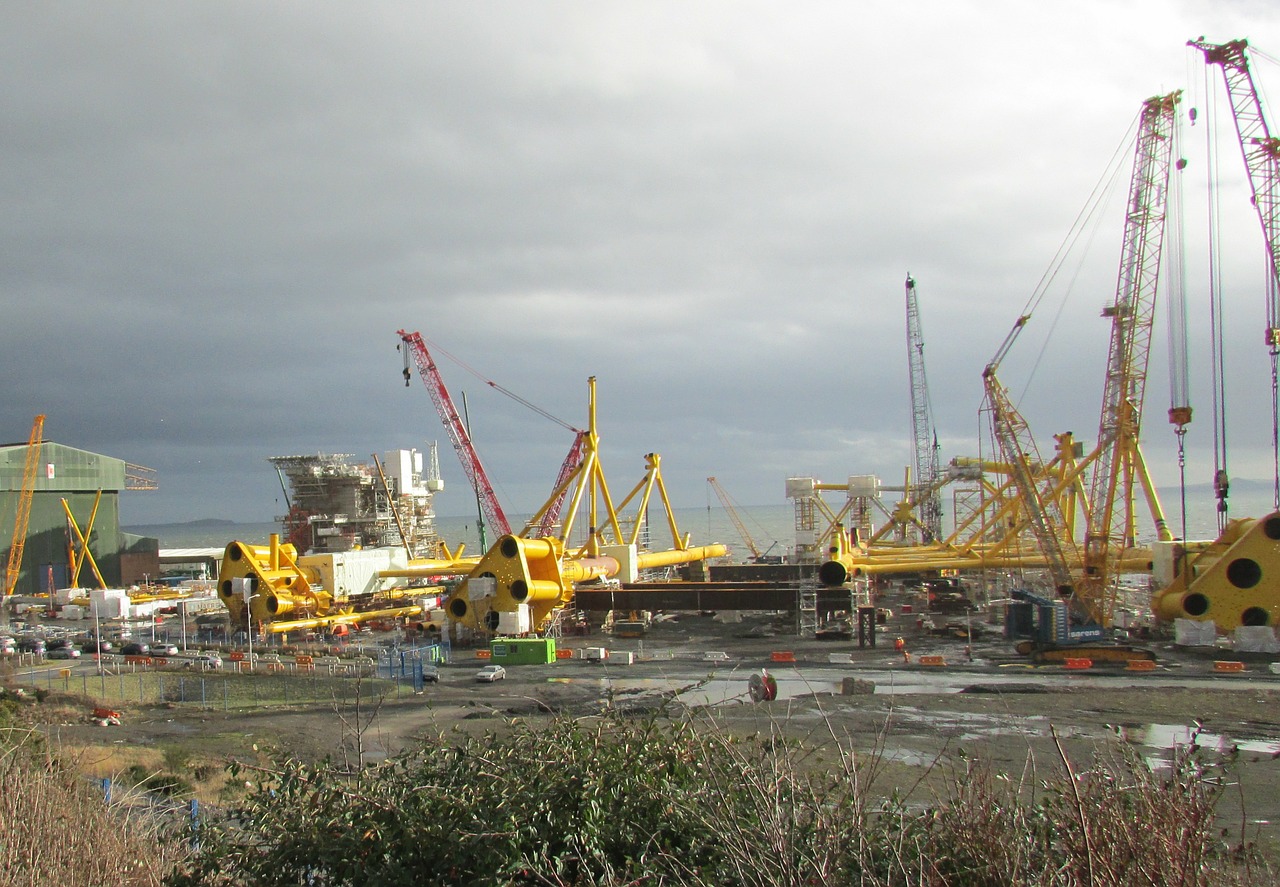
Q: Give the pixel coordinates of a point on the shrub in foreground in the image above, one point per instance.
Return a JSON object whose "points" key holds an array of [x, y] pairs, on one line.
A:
{"points": [[618, 801]]}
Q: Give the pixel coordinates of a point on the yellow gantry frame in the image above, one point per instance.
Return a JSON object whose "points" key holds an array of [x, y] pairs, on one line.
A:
{"points": [[541, 573], [78, 559]]}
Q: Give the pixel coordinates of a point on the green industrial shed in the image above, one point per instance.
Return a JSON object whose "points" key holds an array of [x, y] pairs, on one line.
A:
{"points": [[76, 476]]}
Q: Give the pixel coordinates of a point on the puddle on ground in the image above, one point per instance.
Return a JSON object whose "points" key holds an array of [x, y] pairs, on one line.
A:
{"points": [[719, 691], [1170, 736]]}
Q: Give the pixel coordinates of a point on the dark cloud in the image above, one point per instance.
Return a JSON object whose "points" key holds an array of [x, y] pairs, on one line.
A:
{"points": [[218, 215]]}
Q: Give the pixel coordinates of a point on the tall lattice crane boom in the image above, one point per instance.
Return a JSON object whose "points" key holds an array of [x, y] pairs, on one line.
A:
{"points": [[735, 517], [1109, 526], [414, 346], [1035, 487], [20, 525], [1261, 158], [924, 440]]}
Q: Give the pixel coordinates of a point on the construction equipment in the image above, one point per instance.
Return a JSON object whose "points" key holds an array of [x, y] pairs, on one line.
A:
{"points": [[416, 348], [1230, 581], [547, 518], [1036, 489], [924, 437], [516, 587], [22, 520], [1261, 159], [1117, 464], [1045, 497], [281, 591], [522, 582], [756, 555]]}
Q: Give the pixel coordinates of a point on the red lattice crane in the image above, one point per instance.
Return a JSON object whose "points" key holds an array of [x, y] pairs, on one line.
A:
{"points": [[1262, 161], [453, 423], [546, 526]]}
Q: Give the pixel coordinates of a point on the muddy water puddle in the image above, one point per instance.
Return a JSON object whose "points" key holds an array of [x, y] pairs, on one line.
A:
{"points": [[1167, 737]]}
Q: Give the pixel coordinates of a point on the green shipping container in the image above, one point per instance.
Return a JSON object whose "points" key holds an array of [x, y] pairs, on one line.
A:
{"points": [[523, 651]]}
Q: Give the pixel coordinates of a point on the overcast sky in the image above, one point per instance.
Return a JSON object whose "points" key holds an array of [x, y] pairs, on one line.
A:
{"points": [[217, 215]]}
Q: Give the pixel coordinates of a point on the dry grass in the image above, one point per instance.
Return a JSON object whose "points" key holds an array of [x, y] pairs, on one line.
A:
{"points": [[57, 828]]}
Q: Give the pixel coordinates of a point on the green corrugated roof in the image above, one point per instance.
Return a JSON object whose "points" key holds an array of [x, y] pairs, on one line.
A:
{"points": [[61, 468]]}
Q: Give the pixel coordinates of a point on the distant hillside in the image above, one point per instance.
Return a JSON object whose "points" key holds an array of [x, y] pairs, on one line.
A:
{"points": [[204, 522]]}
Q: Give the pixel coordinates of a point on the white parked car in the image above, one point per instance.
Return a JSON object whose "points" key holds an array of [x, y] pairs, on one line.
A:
{"points": [[491, 673]]}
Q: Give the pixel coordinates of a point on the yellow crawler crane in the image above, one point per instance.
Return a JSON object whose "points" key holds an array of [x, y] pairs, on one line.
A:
{"points": [[522, 582], [1046, 498]]}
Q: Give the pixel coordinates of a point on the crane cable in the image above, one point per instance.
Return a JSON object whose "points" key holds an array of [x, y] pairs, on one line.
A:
{"points": [[1089, 219], [1176, 265], [436, 349], [1221, 478], [1273, 320]]}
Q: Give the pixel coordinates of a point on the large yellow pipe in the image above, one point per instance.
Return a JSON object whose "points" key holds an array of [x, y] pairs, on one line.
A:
{"points": [[280, 627], [648, 559], [838, 572], [428, 569], [585, 569]]}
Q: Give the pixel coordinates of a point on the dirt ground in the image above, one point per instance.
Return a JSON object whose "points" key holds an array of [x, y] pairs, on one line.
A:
{"points": [[914, 723]]}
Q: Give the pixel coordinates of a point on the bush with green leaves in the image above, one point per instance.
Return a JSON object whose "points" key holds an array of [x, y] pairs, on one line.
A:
{"points": [[617, 801]]}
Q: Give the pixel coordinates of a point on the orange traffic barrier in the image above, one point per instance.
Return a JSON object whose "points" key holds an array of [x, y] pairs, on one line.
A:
{"points": [[1228, 665], [236, 656], [1078, 663], [303, 660], [564, 654], [932, 660], [783, 656], [159, 660], [1141, 665], [138, 660], [484, 654]]}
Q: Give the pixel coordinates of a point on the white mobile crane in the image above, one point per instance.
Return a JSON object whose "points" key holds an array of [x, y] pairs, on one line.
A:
{"points": [[924, 438]]}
